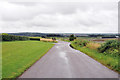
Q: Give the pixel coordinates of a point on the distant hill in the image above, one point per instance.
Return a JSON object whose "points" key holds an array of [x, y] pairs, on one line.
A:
{"points": [[63, 34]]}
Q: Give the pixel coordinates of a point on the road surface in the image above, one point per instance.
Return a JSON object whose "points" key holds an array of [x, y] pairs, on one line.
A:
{"points": [[62, 61]]}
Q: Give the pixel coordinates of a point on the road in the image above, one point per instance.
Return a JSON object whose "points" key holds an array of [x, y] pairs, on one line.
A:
{"points": [[62, 61]]}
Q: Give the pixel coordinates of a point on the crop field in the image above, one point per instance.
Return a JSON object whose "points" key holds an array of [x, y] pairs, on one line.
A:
{"points": [[47, 40], [17, 56]]}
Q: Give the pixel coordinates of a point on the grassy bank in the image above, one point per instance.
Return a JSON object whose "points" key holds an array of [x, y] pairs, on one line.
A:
{"points": [[17, 56], [106, 59], [0, 60]]}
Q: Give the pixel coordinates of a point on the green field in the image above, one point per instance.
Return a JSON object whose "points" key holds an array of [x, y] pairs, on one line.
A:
{"points": [[17, 56]]}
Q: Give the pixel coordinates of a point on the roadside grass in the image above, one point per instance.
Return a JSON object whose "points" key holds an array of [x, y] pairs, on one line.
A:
{"points": [[17, 56], [107, 60]]}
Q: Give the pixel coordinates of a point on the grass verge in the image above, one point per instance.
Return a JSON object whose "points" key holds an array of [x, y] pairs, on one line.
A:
{"points": [[107, 60], [17, 56]]}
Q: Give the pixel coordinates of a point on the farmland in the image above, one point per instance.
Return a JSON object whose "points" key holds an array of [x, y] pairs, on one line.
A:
{"points": [[19, 52], [50, 39], [17, 56]]}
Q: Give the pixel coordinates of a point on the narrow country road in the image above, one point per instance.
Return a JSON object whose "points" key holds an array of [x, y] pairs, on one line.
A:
{"points": [[64, 62]]}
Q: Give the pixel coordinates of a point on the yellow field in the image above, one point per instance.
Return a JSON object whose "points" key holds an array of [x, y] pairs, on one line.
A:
{"points": [[48, 40], [93, 45]]}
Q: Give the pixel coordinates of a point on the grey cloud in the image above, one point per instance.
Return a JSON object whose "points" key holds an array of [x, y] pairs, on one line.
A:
{"points": [[59, 16], [35, 8], [25, 3]]}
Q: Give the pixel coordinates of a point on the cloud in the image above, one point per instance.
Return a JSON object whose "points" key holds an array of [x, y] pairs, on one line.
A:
{"points": [[85, 17], [62, 0]]}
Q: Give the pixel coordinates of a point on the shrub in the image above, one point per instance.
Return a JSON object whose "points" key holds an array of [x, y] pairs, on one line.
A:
{"points": [[53, 39], [81, 42], [71, 38], [44, 36], [38, 39], [110, 47]]}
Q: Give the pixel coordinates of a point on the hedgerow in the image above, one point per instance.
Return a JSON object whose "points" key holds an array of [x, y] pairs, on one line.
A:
{"points": [[7, 37]]}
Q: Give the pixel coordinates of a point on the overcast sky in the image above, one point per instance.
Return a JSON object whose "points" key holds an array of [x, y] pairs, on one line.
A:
{"points": [[59, 16]]}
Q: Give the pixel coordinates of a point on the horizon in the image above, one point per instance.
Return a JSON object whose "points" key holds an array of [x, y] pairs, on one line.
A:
{"points": [[61, 33]]}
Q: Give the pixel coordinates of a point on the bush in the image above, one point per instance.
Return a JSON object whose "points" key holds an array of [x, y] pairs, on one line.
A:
{"points": [[110, 47], [44, 36], [53, 39], [38, 39], [81, 42], [71, 38]]}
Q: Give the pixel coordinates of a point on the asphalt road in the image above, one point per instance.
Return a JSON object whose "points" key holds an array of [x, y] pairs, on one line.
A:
{"points": [[64, 62]]}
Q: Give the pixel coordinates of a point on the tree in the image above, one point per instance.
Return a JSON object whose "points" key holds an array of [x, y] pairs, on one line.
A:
{"points": [[44, 36], [72, 37], [53, 39]]}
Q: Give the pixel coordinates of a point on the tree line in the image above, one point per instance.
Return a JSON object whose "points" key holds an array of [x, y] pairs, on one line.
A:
{"points": [[8, 37]]}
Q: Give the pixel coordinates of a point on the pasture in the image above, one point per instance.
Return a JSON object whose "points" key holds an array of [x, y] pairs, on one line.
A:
{"points": [[17, 56]]}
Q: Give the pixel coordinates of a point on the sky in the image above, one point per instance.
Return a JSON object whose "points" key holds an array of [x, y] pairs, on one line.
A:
{"points": [[59, 16]]}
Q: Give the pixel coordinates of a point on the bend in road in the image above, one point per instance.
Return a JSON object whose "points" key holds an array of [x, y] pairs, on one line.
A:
{"points": [[64, 62]]}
